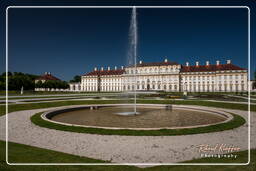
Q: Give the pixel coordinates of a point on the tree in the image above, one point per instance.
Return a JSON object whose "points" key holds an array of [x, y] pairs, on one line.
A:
{"points": [[254, 81], [39, 84], [53, 84], [65, 85], [76, 78], [2, 85], [17, 80], [9, 74]]}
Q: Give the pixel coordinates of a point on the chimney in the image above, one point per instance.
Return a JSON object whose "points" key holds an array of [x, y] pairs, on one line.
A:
{"points": [[115, 68], [187, 64], [207, 63], [217, 62], [102, 69], [166, 60], [108, 68], [95, 69], [140, 62], [197, 63], [229, 61], [122, 67]]}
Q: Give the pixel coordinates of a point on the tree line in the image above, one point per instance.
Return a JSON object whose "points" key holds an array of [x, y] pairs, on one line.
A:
{"points": [[52, 84], [17, 80]]}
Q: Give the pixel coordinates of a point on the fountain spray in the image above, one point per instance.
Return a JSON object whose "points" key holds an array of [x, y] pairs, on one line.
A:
{"points": [[133, 51]]}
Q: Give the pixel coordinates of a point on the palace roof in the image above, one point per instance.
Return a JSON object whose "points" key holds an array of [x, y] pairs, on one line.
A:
{"points": [[47, 77], [105, 72], [155, 64], [205, 68]]}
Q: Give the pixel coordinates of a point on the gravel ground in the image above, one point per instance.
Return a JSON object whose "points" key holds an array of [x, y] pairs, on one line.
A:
{"points": [[122, 149]]}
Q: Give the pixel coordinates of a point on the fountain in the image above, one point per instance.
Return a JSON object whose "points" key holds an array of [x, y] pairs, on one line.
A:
{"points": [[133, 38], [151, 117], [132, 57]]}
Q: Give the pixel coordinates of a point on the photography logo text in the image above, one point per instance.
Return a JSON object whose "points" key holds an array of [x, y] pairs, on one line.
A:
{"points": [[218, 150]]}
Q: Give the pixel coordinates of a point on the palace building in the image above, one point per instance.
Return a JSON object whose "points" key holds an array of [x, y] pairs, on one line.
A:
{"points": [[167, 76]]}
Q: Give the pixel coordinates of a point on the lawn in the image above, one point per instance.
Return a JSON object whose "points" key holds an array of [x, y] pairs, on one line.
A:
{"points": [[19, 153], [39, 97], [18, 107], [30, 92]]}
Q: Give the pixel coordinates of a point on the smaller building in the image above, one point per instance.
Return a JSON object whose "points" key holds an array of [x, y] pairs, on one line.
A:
{"points": [[46, 77], [48, 82], [74, 86]]}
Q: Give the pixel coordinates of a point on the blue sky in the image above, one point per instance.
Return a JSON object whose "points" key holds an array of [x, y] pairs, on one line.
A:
{"points": [[70, 42]]}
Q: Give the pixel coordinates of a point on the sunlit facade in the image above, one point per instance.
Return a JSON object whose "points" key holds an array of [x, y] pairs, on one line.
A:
{"points": [[167, 76]]}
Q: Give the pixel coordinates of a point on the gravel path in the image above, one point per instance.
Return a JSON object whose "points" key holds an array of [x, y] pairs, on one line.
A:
{"points": [[122, 149]]}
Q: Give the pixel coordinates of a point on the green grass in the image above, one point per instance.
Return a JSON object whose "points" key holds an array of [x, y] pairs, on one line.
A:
{"points": [[19, 153], [234, 123], [57, 96], [56, 99], [30, 106], [39, 97], [28, 154], [31, 92]]}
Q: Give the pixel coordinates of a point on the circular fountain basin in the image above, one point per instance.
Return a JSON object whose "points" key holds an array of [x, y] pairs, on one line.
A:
{"points": [[150, 117]]}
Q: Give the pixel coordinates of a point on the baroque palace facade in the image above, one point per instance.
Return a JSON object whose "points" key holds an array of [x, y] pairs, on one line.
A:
{"points": [[167, 76]]}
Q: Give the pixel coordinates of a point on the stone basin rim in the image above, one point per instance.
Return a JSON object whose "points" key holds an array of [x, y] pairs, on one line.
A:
{"points": [[48, 114]]}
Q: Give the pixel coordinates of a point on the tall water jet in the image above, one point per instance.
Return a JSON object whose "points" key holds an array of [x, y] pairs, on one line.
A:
{"points": [[132, 59], [132, 53]]}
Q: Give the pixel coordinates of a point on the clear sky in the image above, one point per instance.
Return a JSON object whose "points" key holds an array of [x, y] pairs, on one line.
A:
{"points": [[68, 42]]}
